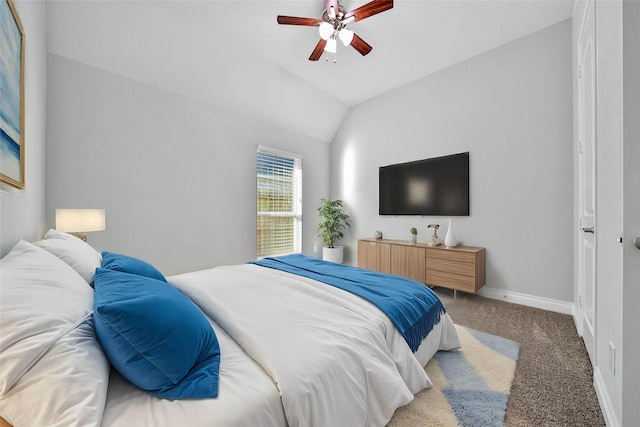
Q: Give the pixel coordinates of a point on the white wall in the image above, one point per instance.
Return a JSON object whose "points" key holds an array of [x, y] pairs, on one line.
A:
{"points": [[185, 47], [22, 211], [176, 176], [512, 109]]}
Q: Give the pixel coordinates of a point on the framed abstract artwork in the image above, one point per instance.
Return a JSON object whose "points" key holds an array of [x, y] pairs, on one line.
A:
{"points": [[11, 96]]}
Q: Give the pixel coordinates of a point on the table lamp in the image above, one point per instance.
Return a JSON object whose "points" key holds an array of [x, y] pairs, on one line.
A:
{"points": [[80, 221]]}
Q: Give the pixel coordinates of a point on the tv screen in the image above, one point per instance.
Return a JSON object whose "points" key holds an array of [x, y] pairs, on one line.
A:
{"points": [[438, 186]]}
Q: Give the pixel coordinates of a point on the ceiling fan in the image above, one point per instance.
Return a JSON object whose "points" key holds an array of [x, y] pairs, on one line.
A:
{"points": [[333, 25]]}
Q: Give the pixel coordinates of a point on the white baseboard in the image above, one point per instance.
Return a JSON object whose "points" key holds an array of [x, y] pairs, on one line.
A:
{"points": [[528, 300], [603, 398]]}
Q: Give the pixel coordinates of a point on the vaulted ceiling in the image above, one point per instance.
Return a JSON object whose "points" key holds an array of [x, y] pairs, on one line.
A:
{"points": [[234, 55]]}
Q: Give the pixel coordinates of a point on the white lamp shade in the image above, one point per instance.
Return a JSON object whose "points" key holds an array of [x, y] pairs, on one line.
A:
{"points": [[345, 36], [330, 46], [80, 220], [326, 30]]}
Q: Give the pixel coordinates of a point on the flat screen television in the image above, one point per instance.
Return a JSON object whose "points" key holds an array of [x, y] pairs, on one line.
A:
{"points": [[437, 186]]}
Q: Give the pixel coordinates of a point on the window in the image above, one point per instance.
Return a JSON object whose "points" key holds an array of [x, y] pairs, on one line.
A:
{"points": [[279, 202]]}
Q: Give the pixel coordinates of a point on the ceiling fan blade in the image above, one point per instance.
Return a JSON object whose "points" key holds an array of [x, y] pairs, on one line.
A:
{"points": [[372, 8], [360, 45], [329, 4], [294, 20], [317, 51]]}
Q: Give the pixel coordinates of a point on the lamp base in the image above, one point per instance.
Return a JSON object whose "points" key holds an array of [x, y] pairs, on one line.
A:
{"points": [[80, 235]]}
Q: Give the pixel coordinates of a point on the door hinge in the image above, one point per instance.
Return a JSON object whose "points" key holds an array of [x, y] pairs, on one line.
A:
{"points": [[580, 301], [579, 71], [580, 147]]}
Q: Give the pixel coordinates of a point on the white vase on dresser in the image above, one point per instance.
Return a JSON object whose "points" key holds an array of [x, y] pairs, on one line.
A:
{"points": [[450, 238]]}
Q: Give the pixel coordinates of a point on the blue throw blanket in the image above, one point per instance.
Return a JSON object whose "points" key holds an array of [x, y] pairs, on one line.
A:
{"points": [[413, 308]]}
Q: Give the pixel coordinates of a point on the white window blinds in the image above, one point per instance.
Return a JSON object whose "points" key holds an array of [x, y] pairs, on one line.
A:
{"points": [[279, 202]]}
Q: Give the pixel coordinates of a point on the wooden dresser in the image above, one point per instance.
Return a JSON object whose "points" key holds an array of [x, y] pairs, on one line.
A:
{"points": [[461, 268]]}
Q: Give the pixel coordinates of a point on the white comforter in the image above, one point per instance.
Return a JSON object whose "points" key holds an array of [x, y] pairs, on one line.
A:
{"points": [[335, 358], [247, 397]]}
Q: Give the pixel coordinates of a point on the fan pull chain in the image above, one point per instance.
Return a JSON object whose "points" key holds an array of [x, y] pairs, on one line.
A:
{"points": [[334, 57]]}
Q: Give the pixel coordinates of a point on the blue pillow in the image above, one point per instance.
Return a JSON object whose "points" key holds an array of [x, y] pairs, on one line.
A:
{"points": [[128, 264], [155, 336]]}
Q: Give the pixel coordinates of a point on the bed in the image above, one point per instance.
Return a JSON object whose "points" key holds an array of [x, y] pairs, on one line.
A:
{"points": [[292, 350]]}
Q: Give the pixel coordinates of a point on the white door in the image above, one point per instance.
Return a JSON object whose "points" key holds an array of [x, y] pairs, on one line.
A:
{"points": [[587, 284]]}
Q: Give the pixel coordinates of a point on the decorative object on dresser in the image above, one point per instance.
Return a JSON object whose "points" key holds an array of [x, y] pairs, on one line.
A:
{"points": [[433, 240], [414, 235], [377, 235], [450, 237], [332, 221], [461, 268]]}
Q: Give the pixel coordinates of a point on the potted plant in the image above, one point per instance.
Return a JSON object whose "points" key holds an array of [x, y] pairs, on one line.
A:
{"points": [[332, 221], [414, 235]]}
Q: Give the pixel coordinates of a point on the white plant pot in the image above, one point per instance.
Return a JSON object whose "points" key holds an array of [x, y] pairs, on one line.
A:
{"points": [[333, 254]]}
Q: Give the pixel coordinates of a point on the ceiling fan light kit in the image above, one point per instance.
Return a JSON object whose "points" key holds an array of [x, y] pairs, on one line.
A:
{"points": [[326, 30], [331, 45], [332, 25], [346, 36]]}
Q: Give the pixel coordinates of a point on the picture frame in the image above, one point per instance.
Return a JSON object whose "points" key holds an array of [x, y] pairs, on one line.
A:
{"points": [[12, 137]]}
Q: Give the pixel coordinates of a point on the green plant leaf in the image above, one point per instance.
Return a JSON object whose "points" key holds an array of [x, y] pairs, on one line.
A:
{"points": [[332, 221]]}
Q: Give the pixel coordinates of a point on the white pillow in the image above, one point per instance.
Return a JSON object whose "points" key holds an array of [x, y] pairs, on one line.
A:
{"points": [[74, 251], [53, 369]]}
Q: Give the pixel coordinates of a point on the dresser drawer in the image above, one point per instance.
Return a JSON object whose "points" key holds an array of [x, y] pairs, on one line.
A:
{"points": [[452, 281], [451, 266], [450, 255]]}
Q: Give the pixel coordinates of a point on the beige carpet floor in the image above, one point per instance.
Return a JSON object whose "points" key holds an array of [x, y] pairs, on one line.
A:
{"points": [[553, 382]]}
